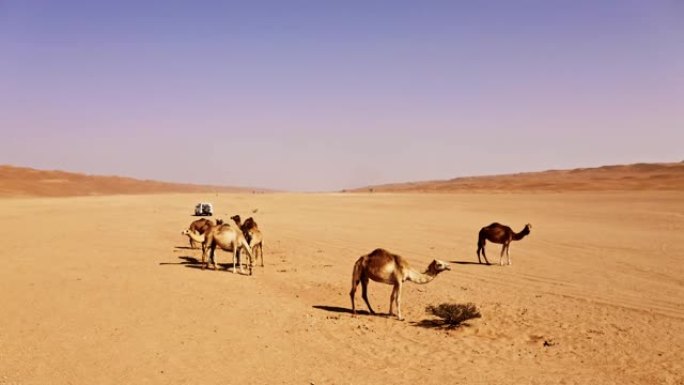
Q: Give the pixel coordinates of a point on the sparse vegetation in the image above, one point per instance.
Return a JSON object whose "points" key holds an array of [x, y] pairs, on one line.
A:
{"points": [[454, 314]]}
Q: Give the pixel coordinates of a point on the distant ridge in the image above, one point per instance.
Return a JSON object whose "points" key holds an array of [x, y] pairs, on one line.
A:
{"points": [[638, 176], [29, 182]]}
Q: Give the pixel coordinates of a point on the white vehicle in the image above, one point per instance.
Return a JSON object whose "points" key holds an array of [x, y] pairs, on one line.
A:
{"points": [[204, 208]]}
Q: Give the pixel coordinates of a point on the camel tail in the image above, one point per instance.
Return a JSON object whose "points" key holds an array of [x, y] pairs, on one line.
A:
{"points": [[356, 273], [356, 279]]}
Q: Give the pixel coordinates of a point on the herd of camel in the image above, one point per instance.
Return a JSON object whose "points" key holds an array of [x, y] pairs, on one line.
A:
{"points": [[232, 236], [379, 265]]}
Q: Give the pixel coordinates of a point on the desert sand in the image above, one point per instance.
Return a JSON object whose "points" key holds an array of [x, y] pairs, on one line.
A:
{"points": [[104, 290]]}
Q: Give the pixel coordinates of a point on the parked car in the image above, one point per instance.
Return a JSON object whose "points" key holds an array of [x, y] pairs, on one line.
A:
{"points": [[204, 208]]}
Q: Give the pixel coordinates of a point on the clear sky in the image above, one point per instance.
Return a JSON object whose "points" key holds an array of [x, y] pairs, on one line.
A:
{"points": [[325, 95]]}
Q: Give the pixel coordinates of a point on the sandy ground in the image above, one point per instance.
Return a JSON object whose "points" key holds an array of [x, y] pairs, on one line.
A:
{"points": [[103, 290]]}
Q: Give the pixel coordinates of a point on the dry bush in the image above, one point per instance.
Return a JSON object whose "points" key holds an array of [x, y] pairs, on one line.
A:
{"points": [[454, 314]]}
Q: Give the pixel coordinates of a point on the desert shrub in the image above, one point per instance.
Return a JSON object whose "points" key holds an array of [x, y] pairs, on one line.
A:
{"points": [[454, 313]]}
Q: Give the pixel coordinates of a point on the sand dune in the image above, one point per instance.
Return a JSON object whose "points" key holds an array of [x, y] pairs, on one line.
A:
{"points": [[640, 176], [22, 181], [26, 182]]}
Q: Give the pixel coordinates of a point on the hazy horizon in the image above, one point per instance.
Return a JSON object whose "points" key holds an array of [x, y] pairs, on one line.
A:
{"points": [[306, 96]]}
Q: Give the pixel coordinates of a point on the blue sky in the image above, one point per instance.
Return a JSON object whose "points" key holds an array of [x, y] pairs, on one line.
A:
{"points": [[313, 95]]}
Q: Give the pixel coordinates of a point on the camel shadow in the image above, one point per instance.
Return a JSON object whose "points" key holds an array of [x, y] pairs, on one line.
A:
{"points": [[220, 266], [185, 260], [468, 263], [337, 309], [186, 248], [194, 263]]}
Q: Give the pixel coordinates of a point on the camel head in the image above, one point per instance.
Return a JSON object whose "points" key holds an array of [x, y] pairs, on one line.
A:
{"points": [[198, 237], [236, 219], [219, 221], [437, 266], [249, 223], [188, 231]]}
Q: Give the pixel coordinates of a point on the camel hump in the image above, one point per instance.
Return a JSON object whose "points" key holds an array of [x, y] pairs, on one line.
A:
{"points": [[379, 252]]}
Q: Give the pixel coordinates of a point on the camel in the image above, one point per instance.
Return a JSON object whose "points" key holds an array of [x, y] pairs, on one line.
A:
{"points": [[237, 220], [201, 226], [253, 235], [382, 266], [250, 223], [227, 238], [498, 233]]}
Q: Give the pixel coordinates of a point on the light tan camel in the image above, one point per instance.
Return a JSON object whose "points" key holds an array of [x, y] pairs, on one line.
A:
{"points": [[251, 231], [498, 233], [382, 266], [227, 238]]}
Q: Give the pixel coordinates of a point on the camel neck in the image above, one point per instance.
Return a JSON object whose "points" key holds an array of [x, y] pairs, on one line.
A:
{"points": [[521, 234], [195, 237], [420, 278]]}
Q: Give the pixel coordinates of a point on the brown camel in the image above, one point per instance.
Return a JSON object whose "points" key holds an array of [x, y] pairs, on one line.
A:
{"points": [[251, 231], [201, 226], [227, 238], [382, 266], [498, 233]]}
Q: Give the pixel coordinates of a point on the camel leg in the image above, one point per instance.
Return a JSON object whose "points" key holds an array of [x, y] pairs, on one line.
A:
{"points": [[508, 248], [261, 253], [364, 293], [235, 260], [482, 248], [204, 256], [352, 294], [503, 248], [251, 263], [239, 257], [212, 257], [398, 299], [393, 298]]}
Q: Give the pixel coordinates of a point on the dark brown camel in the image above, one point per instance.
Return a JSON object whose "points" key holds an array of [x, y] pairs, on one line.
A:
{"points": [[237, 220], [250, 224], [498, 233]]}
